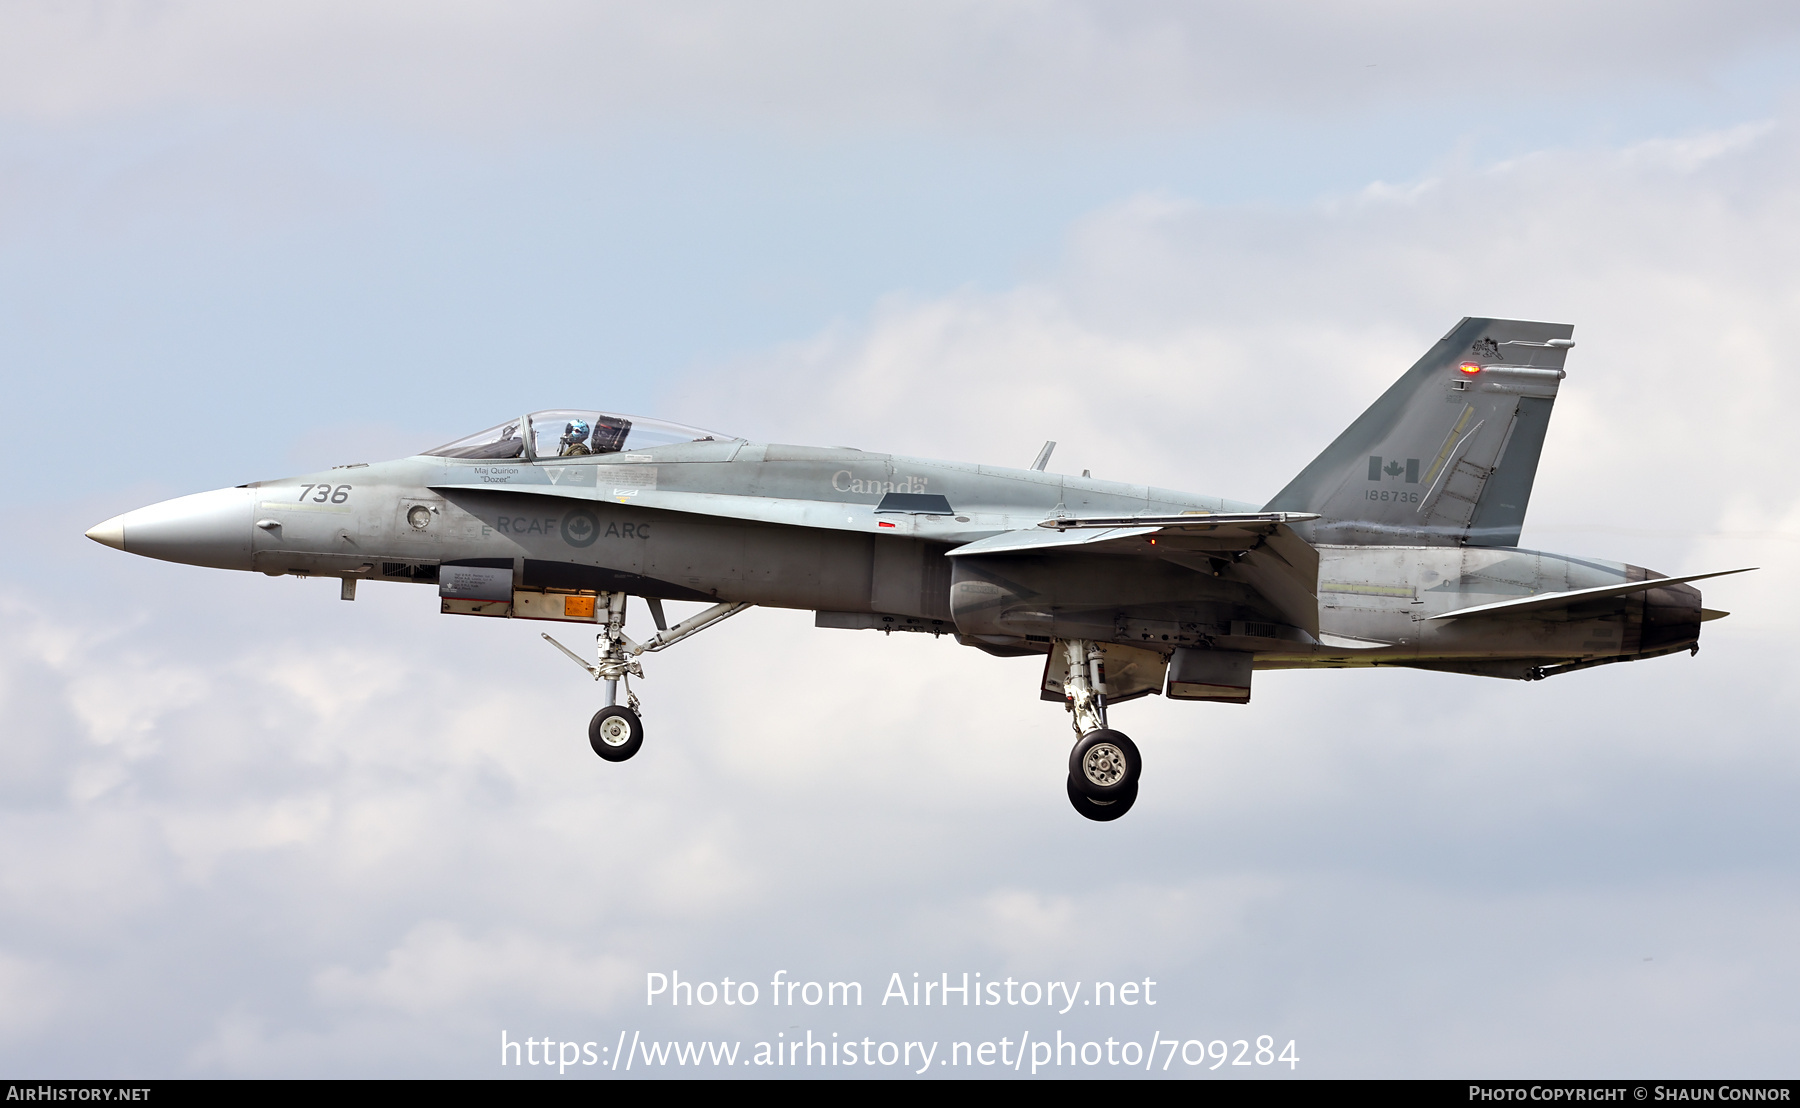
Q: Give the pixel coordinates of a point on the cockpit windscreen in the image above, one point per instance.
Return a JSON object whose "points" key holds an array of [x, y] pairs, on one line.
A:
{"points": [[501, 441]]}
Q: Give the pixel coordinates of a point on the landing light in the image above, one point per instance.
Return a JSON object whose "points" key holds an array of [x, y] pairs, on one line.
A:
{"points": [[1471, 368]]}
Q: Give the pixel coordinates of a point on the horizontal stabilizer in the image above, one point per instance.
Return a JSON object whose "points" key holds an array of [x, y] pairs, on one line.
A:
{"points": [[1551, 600]]}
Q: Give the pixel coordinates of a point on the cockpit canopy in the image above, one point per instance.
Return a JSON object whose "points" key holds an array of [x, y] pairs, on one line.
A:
{"points": [[567, 434]]}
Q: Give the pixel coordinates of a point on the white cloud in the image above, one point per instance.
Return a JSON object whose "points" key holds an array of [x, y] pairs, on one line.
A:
{"points": [[436, 969], [1217, 350], [301, 879], [30, 995], [949, 63]]}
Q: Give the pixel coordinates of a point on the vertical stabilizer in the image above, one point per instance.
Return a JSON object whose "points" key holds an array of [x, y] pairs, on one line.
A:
{"points": [[1448, 455]]}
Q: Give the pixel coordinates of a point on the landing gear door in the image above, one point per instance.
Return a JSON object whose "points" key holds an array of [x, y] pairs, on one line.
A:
{"points": [[1131, 672], [1222, 675]]}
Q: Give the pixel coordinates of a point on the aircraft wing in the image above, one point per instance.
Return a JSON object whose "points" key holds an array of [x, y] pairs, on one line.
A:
{"points": [[1548, 601], [759, 509], [1254, 548], [618, 487], [1258, 549]]}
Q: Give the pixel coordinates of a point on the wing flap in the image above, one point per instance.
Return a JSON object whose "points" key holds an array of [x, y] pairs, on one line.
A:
{"points": [[1284, 568]]}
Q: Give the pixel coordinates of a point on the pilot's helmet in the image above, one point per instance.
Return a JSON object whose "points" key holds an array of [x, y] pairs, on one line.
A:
{"points": [[575, 432]]}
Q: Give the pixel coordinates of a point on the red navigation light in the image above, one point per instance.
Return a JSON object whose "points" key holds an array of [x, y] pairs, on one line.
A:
{"points": [[1470, 368]]}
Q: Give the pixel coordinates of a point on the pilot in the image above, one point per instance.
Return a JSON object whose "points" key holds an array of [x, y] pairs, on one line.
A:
{"points": [[574, 439]]}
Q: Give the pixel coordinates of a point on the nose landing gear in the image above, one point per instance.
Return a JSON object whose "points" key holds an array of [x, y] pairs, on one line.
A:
{"points": [[617, 731], [1105, 764]]}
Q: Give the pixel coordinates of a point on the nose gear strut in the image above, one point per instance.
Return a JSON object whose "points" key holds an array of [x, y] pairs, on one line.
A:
{"points": [[617, 731]]}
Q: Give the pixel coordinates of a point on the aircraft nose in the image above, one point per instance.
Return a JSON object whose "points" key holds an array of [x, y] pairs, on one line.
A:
{"points": [[205, 529], [111, 533]]}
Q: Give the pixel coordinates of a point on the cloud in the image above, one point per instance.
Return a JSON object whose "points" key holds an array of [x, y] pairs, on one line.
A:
{"points": [[1218, 349], [955, 64], [436, 968], [374, 872], [30, 995]]}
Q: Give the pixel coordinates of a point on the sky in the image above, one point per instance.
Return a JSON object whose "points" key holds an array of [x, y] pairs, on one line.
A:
{"points": [[250, 830]]}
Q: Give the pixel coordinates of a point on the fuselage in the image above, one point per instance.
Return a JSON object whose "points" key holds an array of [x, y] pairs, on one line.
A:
{"points": [[817, 528]]}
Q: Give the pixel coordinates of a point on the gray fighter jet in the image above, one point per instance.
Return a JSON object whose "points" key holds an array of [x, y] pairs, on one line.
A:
{"points": [[1397, 546]]}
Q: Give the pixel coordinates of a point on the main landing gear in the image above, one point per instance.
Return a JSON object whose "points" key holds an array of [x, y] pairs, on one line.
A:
{"points": [[1105, 764], [617, 731]]}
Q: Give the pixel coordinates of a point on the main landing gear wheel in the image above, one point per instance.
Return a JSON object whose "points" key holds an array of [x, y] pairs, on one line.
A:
{"points": [[1105, 765], [615, 733], [1102, 811]]}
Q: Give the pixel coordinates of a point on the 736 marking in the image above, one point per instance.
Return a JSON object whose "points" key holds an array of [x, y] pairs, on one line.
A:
{"points": [[335, 495]]}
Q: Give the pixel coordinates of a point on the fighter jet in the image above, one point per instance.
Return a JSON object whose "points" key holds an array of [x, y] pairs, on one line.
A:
{"points": [[1397, 546]]}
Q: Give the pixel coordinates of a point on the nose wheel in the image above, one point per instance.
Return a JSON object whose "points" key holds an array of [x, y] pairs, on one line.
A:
{"points": [[616, 733]]}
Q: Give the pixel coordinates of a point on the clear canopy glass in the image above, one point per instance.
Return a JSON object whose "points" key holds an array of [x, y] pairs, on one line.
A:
{"points": [[565, 434], [500, 441]]}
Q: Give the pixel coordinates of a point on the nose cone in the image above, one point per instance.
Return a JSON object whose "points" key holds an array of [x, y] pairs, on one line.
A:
{"points": [[206, 529], [111, 533]]}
